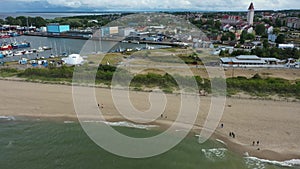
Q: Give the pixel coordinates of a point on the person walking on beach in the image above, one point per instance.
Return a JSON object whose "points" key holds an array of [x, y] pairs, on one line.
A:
{"points": [[253, 144], [257, 143], [233, 135]]}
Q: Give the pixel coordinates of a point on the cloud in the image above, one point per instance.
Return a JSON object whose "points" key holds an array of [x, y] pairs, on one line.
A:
{"points": [[157, 4]]}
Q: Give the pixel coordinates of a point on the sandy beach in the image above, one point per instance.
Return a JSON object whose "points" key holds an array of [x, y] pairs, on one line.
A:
{"points": [[275, 124]]}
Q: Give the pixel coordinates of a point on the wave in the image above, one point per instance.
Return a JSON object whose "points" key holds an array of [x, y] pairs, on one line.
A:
{"points": [[260, 163], [221, 141], [69, 122], [9, 118], [124, 124], [214, 154]]}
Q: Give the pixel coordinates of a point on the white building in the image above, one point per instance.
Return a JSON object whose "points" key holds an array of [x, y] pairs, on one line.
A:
{"points": [[283, 46], [126, 32], [249, 61], [73, 59], [250, 16]]}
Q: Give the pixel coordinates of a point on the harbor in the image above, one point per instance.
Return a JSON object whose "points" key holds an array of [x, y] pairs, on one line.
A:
{"points": [[35, 47]]}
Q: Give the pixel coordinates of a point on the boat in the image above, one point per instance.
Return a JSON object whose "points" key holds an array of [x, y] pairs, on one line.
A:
{"points": [[13, 34], [40, 50], [8, 53], [6, 47], [20, 45], [18, 53], [46, 48], [4, 36], [28, 52]]}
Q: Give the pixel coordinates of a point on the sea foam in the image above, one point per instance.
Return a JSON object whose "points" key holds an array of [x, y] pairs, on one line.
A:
{"points": [[69, 122], [9, 118], [214, 154], [124, 124], [260, 163]]}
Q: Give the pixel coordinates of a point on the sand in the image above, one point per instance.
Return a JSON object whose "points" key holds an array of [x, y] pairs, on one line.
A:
{"points": [[274, 123]]}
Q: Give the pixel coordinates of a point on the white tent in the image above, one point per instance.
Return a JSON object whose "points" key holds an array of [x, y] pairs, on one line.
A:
{"points": [[73, 59]]}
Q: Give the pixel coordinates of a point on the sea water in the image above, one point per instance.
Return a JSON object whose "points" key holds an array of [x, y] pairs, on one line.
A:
{"points": [[48, 144]]}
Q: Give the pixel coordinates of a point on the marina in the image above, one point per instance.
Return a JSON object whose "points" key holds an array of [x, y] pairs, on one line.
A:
{"points": [[34, 47]]}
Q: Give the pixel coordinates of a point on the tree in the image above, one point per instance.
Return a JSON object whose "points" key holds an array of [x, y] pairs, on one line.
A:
{"points": [[243, 37], [218, 25], [23, 20], [249, 36], [278, 22], [280, 39], [260, 29], [276, 31], [224, 37], [266, 43], [231, 35], [39, 22], [2, 21], [10, 20]]}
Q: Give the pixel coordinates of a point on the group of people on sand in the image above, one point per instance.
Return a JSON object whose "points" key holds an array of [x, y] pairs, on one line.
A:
{"points": [[231, 134], [102, 106], [162, 116], [257, 143]]}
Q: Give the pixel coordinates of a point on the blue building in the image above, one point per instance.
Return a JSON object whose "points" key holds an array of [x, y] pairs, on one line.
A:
{"points": [[55, 28], [105, 31]]}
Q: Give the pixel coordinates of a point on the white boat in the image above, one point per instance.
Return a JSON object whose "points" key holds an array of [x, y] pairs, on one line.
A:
{"points": [[40, 49], [18, 53], [28, 52], [46, 48]]}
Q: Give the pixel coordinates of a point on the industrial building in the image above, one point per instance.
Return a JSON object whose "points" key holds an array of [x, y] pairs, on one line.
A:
{"points": [[56, 29]]}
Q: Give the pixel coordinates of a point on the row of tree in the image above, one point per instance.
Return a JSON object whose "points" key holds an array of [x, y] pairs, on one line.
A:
{"points": [[24, 21], [266, 52], [74, 22], [254, 85]]}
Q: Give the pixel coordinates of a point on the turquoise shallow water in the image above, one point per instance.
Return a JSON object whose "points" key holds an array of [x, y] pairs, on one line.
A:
{"points": [[36, 144]]}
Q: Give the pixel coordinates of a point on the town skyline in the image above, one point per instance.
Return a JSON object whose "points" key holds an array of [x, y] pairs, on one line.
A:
{"points": [[143, 5]]}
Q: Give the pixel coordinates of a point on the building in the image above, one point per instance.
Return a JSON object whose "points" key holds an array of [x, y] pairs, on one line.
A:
{"points": [[108, 31], [272, 37], [124, 32], [284, 46], [56, 29], [250, 61], [231, 19], [293, 22], [250, 16]]}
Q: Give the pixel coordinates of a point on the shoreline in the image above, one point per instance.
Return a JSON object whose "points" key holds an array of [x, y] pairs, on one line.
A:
{"points": [[232, 145], [31, 100]]}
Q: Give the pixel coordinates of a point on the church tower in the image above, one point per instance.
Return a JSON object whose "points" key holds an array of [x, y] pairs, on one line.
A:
{"points": [[250, 16]]}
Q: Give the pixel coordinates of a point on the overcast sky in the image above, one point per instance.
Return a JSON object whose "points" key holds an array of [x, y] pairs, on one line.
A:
{"points": [[206, 5]]}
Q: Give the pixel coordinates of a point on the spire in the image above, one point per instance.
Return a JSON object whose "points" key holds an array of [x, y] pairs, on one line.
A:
{"points": [[251, 7]]}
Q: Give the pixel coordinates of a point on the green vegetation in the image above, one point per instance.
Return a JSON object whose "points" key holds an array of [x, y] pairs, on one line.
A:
{"points": [[280, 39], [23, 21], [266, 52], [256, 85], [74, 22], [228, 36], [264, 86], [260, 29], [8, 72]]}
